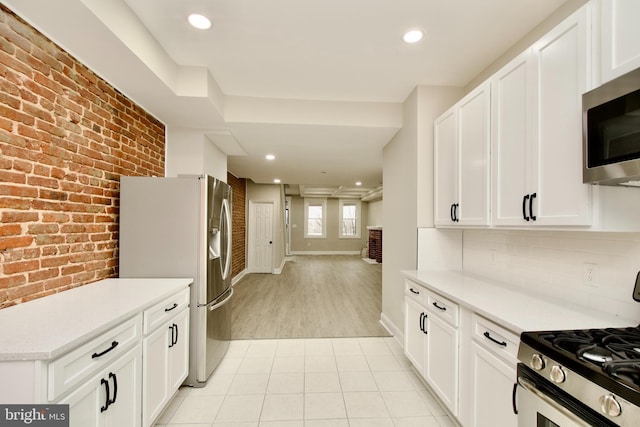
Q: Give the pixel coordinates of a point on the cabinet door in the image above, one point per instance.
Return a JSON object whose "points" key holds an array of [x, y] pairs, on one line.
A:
{"points": [[123, 379], [473, 138], [441, 366], [445, 167], [127, 372], [492, 385], [155, 373], [179, 353], [85, 403], [562, 76], [415, 340], [620, 37], [512, 102]]}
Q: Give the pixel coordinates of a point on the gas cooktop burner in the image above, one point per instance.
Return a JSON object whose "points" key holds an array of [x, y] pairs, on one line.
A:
{"points": [[614, 352]]}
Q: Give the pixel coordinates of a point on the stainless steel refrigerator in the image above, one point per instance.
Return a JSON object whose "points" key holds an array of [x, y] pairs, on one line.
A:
{"points": [[181, 227]]}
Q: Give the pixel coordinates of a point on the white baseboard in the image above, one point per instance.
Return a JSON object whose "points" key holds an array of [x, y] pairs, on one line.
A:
{"points": [[238, 277], [278, 270], [325, 253], [392, 329]]}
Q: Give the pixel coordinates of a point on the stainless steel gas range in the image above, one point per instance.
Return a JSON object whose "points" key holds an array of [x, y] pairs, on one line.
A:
{"points": [[579, 378]]}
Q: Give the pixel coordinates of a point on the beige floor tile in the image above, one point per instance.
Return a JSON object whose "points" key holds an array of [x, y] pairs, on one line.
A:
{"points": [[288, 364], [371, 422], [282, 407], [255, 365], [319, 347], [347, 347], [240, 408], [405, 404], [292, 347], [327, 423], [320, 364], [322, 406], [352, 363], [322, 382], [393, 381], [365, 404], [217, 385], [197, 409], [416, 422], [286, 383], [249, 384], [384, 363], [357, 381]]}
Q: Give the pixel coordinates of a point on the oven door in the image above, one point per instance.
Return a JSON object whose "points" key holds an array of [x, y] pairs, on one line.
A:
{"points": [[541, 404]]}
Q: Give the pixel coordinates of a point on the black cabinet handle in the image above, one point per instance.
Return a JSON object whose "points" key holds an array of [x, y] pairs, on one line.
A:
{"points": [[171, 329], [488, 336], [115, 388], [453, 218], [424, 328], [513, 398], [533, 217], [421, 317], [413, 291], [436, 305], [455, 212], [172, 307], [107, 401], [176, 339], [113, 345], [524, 207]]}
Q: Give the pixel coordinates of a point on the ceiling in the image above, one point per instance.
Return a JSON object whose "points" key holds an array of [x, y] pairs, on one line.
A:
{"points": [[319, 84]]}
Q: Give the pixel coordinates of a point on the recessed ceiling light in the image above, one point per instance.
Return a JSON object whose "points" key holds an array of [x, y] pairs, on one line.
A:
{"points": [[413, 36], [199, 21], [277, 181], [358, 183], [269, 157]]}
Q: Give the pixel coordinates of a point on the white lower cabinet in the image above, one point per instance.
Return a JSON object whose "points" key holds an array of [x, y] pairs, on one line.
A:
{"points": [[491, 382], [111, 397], [467, 361], [415, 340], [431, 341], [166, 354], [441, 370]]}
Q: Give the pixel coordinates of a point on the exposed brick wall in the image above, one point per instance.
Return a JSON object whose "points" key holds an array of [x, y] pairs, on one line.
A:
{"points": [[66, 136], [238, 223]]}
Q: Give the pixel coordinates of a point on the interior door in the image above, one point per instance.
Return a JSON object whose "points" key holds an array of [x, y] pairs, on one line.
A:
{"points": [[260, 257]]}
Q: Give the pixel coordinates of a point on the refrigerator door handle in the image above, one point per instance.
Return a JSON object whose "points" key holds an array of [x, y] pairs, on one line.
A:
{"points": [[221, 303], [226, 230]]}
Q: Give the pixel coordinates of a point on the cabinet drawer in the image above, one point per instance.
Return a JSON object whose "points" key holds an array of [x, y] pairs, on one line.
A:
{"points": [[444, 308], [163, 311], [73, 368], [415, 292], [498, 340]]}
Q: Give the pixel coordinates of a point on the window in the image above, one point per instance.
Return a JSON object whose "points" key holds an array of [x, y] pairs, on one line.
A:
{"points": [[315, 218], [350, 219]]}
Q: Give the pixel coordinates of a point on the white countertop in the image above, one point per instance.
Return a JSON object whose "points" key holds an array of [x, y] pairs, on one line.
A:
{"points": [[45, 328], [510, 307]]}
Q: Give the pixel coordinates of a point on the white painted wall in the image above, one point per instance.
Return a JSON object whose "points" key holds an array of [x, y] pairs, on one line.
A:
{"points": [[408, 178], [190, 152], [374, 216]]}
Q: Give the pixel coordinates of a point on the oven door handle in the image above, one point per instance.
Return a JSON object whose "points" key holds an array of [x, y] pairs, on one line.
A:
{"points": [[513, 399], [531, 387]]}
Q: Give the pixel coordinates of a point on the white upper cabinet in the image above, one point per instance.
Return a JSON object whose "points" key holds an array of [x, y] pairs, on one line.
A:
{"points": [[512, 109], [462, 161], [446, 166], [537, 130], [619, 37]]}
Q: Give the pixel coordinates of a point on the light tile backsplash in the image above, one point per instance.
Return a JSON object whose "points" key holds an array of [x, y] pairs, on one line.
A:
{"points": [[551, 264]]}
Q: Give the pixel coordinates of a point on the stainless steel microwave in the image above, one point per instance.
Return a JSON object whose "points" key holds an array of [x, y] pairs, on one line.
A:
{"points": [[611, 132]]}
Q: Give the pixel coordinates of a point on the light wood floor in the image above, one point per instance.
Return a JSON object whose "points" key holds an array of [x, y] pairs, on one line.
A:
{"points": [[315, 296]]}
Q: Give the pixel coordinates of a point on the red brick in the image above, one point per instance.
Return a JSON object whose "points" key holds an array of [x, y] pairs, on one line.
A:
{"points": [[41, 275], [10, 230], [14, 242], [20, 266]]}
